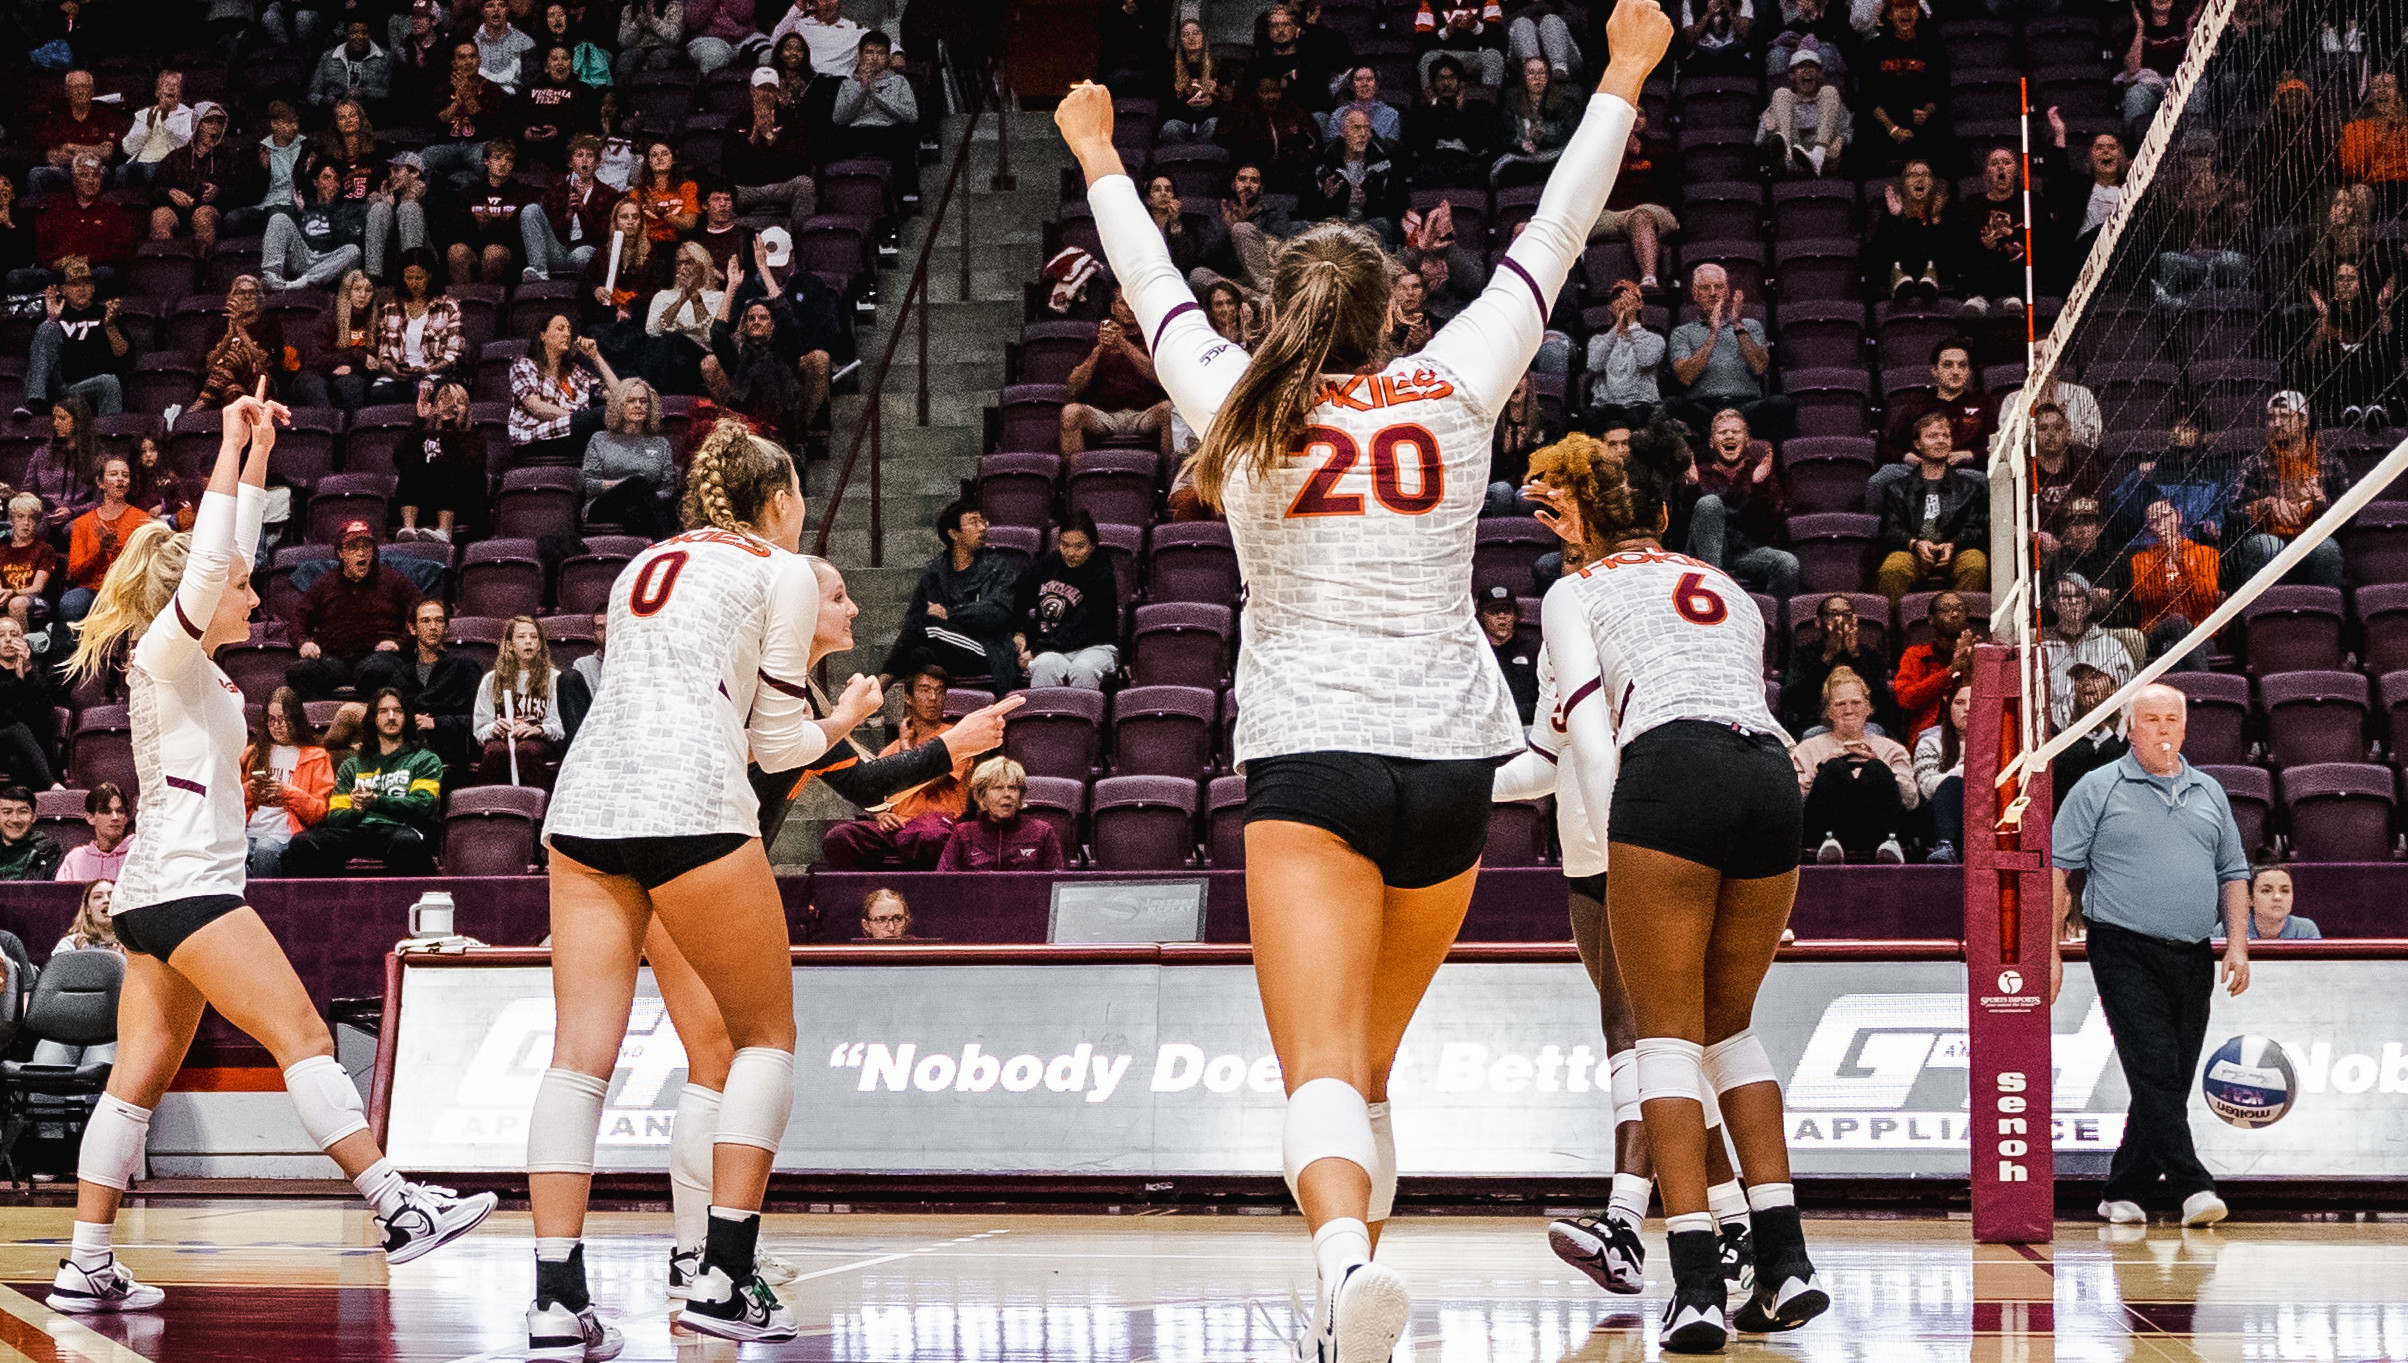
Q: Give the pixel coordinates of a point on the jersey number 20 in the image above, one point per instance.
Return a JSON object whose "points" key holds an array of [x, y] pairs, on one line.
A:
{"points": [[1338, 454]]}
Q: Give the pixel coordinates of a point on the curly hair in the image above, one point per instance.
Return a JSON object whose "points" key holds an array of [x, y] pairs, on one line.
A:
{"points": [[1626, 497], [735, 474]]}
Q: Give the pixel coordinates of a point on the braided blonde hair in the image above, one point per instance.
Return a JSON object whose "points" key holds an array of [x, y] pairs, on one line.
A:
{"points": [[735, 474], [139, 585]]}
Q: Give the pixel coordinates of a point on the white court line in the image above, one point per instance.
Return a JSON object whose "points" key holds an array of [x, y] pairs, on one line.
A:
{"points": [[860, 1264], [65, 1331]]}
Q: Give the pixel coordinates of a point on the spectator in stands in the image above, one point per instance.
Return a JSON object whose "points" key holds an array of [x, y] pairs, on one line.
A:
{"points": [[790, 62], [2078, 641], [1913, 252], [1250, 223], [556, 392], [1940, 773], [469, 109], [1311, 57], [320, 244], [1650, 176], [2283, 489], [158, 489], [810, 334], [718, 233], [2352, 355], [16, 241], [678, 321], [2084, 427], [2081, 548], [1539, 28], [767, 160], [244, 346], [1858, 782], [1359, 180], [418, 333], [1927, 670], [1187, 248], [1806, 125], [27, 563], [581, 680], [960, 617], [517, 715], [2103, 744], [2175, 583], [24, 853], [360, 609], [1992, 251], [1066, 611], [1811, 26], [106, 810], [501, 49], [562, 233], [885, 917], [1837, 645], [835, 40], [2209, 231], [2270, 917], [1464, 34], [1113, 392], [1935, 526], [91, 929], [718, 31], [876, 113], [158, 129], [620, 287], [78, 127], [1516, 650], [96, 537], [1003, 836], [28, 711], [630, 471], [2156, 49], [195, 181], [1722, 358], [355, 68], [335, 367], [1903, 84], [485, 231], [1741, 509], [383, 805], [80, 350], [438, 686], [1713, 37], [1409, 321], [1190, 99], [1363, 84], [1535, 119], [651, 34], [78, 225], [910, 833], [2061, 473], [2198, 483], [2347, 237], [1972, 420], [60, 471], [1450, 141], [397, 213], [2084, 196], [1274, 133], [441, 465], [287, 780]]}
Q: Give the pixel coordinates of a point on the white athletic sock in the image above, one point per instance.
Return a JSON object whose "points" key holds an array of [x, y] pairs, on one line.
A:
{"points": [[1339, 1245], [1765, 1197], [1728, 1201], [1630, 1198], [1689, 1221], [382, 1185], [92, 1247], [690, 1142], [554, 1249]]}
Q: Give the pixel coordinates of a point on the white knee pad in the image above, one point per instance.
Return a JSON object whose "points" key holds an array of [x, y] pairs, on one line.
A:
{"points": [[1737, 1061], [758, 1099], [1622, 1070], [1383, 1167], [1671, 1068], [1705, 1099], [1327, 1119], [690, 1139], [567, 1120], [329, 1103], [113, 1139]]}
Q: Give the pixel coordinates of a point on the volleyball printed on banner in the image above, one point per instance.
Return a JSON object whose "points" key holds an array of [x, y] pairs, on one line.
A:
{"points": [[2249, 1082]]}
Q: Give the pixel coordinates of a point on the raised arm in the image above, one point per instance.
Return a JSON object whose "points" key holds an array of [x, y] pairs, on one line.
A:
{"points": [[1191, 362], [225, 531]]}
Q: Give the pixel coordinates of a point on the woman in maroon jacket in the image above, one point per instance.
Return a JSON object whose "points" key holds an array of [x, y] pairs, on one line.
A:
{"points": [[1001, 838]]}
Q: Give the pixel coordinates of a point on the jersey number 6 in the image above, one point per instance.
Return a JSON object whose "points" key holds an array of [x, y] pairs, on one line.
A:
{"points": [[653, 585], [1318, 496], [1696, 603]]}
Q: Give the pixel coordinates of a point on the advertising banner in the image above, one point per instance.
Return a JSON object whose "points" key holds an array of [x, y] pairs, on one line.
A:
{"points": [[1138, 1069]]}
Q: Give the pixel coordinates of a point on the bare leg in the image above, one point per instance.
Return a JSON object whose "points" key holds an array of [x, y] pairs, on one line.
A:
{"points": [[1660, 909], [598, 927], [1074, 427], [1747, 932], [1642, 229], [158, 1011]]}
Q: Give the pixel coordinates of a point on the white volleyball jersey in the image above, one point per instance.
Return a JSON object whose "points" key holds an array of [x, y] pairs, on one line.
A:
{"points": [[1552, 765], [1356, 548], [1671, 638], [188, 732], [710, 645]]}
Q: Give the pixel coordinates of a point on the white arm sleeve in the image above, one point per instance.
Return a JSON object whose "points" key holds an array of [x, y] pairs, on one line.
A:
{"points": [[1529, 776], [1586, 723], [783, 731], [1490, 344], [172, 643], [1191, 361]]}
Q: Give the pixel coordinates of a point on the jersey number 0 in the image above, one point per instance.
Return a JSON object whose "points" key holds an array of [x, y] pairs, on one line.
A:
{"points": [[1338, 454], [655, 582]]}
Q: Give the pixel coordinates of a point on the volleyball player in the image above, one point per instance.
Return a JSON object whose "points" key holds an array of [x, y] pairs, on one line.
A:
{"points": [[1371, 712], [653, 819], [1661, 657], [1607, 1248], [189, 939]]}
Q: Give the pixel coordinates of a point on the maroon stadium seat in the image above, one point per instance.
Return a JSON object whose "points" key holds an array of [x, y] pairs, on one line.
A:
{"points": [[1143, 823], [2339, 811], [2314, 717]]}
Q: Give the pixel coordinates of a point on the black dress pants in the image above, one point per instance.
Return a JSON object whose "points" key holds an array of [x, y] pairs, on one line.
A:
{"points": [[2155, 994]]}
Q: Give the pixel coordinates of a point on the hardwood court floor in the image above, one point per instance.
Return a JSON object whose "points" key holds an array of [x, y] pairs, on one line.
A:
{"points": [[278, 1280]]}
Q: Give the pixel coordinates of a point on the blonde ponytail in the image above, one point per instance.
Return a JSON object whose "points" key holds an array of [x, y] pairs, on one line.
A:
{"points": [[138, 587], [1329, 293], [735, 473]]}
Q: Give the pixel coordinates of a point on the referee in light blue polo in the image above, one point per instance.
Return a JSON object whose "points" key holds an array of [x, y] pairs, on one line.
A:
{"points": [[2158, 839]]}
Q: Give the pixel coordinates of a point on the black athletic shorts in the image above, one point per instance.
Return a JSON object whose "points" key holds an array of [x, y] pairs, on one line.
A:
{"points": [[1709, 793], [1420, 822], [649, 862], [156, 930], [1591, 886]]}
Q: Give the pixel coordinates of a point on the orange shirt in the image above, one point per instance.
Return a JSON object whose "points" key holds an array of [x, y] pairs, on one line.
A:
{"points": [[2295, 476], [2372, 151], [2177, 578], [948, 795], [661, 204], [87, 561]]}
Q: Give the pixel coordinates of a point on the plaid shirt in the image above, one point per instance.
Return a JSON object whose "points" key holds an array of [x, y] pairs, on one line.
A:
{"points": [[2268, 474], [441, 345], [575, 388]]}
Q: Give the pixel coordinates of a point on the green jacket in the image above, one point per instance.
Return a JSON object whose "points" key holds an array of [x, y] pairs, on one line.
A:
{"points": [[408, 785], [35, 858]]}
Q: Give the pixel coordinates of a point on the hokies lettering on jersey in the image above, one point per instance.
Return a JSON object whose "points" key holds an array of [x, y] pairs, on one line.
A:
{"points": [[1372, 392], [714, 535], [1632, 558]]}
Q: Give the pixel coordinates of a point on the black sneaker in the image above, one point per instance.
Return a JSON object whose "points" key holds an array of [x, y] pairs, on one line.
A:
{"points": [[1607, 1248], [1738, 1258], [1693, 1320], [1786, 1293], [749, 1311]]}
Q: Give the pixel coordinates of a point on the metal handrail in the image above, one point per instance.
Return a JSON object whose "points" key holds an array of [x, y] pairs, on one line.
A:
{"points": [[915, 295]]}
